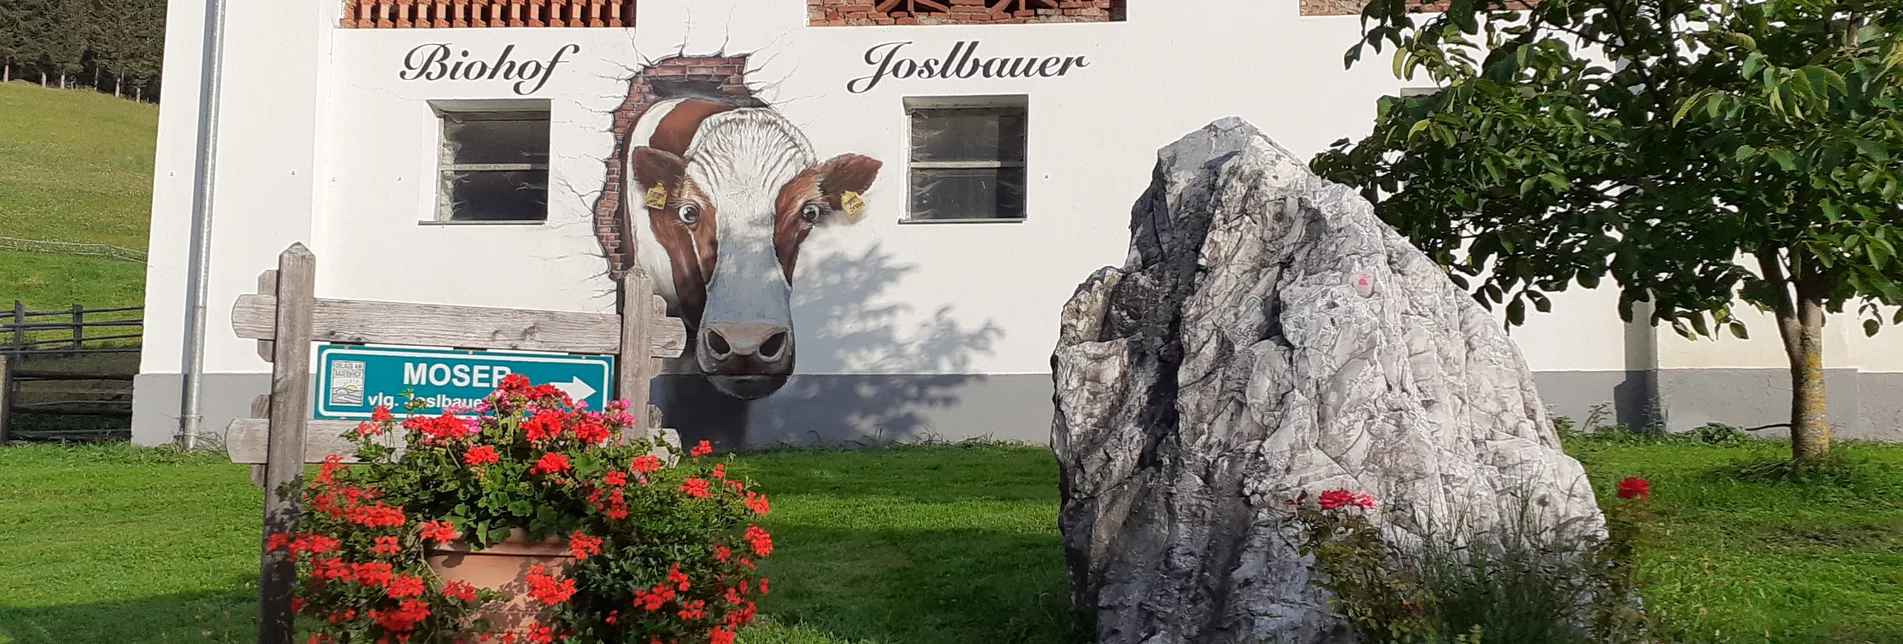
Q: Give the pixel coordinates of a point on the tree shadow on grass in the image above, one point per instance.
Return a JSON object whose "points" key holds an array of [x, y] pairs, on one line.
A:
{"points": [[190, 617], [923, 587]]}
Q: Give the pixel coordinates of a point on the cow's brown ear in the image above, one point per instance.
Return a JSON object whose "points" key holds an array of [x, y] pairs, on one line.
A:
{"points": [[844, 180], [659, 173]]}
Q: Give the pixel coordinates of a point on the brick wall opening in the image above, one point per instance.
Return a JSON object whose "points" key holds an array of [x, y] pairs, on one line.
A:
{"points": [[845, 13], [720, 79], [461, 14]]}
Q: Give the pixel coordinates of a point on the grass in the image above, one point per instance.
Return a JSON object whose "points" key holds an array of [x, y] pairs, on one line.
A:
{"points": [[1741, 556], [939, 545], [948, 545], [75, 166]]}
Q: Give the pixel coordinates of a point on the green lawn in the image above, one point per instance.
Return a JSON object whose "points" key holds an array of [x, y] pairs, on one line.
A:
{"points": [[930, 545], [75, 166]]}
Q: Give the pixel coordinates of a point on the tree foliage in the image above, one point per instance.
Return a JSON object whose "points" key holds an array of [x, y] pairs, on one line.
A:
{"points": [[1694, 152], [120, 40]]}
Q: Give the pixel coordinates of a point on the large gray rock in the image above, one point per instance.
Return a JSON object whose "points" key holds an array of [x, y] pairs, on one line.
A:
{"points": [[1269, 336]]}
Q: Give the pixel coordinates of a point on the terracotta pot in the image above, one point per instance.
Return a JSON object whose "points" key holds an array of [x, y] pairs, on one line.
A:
{"points": [[505, 567]]}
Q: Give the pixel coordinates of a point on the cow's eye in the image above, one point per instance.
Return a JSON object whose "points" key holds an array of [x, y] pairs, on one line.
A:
{"points": [[811, 212], [689, 213]]}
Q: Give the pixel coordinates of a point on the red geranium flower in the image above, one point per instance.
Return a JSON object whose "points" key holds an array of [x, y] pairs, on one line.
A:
{"points": [[381, 414], [545, 425], [761, 541], [696, 488], [703, 449], [403, 586], [1635, 488], [551, 463], [582, 545], [440, 531], [459, 590], [386, 546], [482, 455], [615, 478], [544, 588], [645, 464]]}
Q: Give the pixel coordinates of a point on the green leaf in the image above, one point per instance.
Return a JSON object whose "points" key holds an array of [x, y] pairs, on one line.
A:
{"points": [[1870, 327], [1558, 183], [1745, 152], [1752, 63], [1516, 312], [1784, 158], [1737, 330]]}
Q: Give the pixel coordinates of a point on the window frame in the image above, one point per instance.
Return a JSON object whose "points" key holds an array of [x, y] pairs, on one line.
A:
{"points": [[444, 112], [913, 104]]}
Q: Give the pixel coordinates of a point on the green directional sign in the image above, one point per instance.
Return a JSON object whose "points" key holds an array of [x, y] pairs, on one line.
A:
{"points": [[352, 381]]}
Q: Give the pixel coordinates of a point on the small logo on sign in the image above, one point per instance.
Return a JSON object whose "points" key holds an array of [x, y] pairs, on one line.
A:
{"points": [[346, 383]]}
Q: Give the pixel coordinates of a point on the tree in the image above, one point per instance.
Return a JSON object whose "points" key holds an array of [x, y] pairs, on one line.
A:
{"points": [[1730, 150]]}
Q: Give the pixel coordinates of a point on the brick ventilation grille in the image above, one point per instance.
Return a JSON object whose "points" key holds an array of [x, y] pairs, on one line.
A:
{"points": [[841, 13], [445, 14], [721, 78]]}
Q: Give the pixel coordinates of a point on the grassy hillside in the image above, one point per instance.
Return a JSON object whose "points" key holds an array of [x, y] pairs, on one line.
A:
{"points": [[75, 166]]}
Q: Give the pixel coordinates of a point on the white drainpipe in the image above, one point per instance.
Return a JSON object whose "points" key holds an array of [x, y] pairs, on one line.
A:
{"points": [[212, 74]]}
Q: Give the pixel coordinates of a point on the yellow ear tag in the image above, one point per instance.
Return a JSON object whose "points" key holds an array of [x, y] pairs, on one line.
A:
{"points": [[853, 203], [657, 197]]}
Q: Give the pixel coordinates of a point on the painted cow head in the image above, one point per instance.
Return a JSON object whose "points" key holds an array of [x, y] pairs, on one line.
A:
{"points": [[731, 214]]}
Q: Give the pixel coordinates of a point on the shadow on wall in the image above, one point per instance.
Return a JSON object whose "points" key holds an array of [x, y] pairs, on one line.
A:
{"points": [[847, 321]]}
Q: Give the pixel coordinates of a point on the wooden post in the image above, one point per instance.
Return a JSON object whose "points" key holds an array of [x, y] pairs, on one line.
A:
{"points": [[290, 414], [637, 346], [19, 321], [79, 327], [6, 398]]}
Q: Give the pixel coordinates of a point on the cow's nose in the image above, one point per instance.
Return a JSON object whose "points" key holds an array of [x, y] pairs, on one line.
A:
{"points": [[765, 342]]}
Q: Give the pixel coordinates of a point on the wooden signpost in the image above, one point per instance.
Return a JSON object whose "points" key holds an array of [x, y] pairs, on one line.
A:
{"points": [[285, 317]]}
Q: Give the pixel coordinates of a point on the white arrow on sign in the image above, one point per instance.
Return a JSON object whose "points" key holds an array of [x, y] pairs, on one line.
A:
{"points": [[576, 390]]}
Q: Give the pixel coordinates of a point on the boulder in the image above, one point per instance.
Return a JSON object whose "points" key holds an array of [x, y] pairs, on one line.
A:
{"points": [[1270, 337]]}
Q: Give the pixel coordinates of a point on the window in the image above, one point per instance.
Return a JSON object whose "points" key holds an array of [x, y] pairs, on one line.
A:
{"points": [[493, 163], [967, 159]]}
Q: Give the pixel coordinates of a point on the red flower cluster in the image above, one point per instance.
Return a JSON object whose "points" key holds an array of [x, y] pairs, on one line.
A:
{"points": [[387, 546], [464, 592], [375, 574], [544, 588], [761, 541], [703, 449], [678, 578], [1333, 499], [405, 618], [551, 463], [695, 487], [442, 429], [653, 599], [302, 544], [544, 425], [582, 545], [440, 531], [615, 478], [1635, 488], [402, 586], [757, 503], [377, 516], [645, 464], [482, 455]]}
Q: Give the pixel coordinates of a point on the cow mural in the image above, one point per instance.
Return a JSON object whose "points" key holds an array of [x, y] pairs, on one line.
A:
{"points": [[729, 195]]}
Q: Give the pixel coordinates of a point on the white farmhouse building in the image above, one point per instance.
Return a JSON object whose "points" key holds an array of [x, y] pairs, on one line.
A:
{"points": [[478, 152]]}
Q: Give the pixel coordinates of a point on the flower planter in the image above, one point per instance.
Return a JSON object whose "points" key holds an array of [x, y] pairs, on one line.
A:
{"points": [[502, 567]]}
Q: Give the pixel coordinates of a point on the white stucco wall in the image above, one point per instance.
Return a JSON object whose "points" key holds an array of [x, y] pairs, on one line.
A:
{"points": [[323, 143]]}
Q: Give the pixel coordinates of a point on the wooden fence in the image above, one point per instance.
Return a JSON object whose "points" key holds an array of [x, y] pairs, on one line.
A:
{"points": [[59, 363]]}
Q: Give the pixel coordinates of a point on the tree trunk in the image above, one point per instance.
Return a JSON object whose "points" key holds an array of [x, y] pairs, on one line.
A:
{"points": [[138, 93], [118, 87], [42, 78], [1800, 324], [1810, 433]]}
